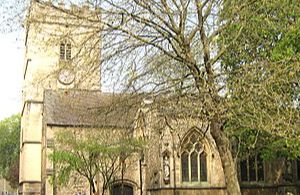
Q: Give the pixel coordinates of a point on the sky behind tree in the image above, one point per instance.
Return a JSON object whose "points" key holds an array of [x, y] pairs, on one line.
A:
{"points": [[11, 68]]}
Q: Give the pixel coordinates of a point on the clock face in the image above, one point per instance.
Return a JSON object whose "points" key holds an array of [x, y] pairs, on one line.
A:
{"points": [[66, 76]]}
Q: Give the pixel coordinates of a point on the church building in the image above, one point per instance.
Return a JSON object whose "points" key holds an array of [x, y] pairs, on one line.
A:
{"points": [[62, 90]]}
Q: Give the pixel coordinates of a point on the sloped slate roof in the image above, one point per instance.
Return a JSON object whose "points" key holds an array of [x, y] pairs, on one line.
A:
{"points": [[89, 108]]}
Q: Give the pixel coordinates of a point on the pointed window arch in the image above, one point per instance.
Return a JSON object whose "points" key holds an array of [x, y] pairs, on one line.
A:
{"points": [[193, 158]]}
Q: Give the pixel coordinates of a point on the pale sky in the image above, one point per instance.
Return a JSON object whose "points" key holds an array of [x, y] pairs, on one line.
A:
{"points": [[11, 68]]}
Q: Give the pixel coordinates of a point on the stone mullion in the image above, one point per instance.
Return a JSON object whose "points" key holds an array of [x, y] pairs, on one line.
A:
{"points": [[190, 167], [198, 166]]}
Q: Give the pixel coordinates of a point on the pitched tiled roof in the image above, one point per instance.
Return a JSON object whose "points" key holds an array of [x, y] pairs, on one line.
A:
{"points": [[89, 108]]}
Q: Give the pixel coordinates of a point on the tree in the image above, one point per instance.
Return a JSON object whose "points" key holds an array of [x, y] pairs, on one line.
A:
{"points": [[195, 37], [184, 33], [263, 66], [90, 153], [9, 149], [12, 15], [203, 55]]}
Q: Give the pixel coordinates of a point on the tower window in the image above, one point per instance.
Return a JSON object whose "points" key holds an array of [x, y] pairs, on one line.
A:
{"points": [[65, 51], [193, 159]]}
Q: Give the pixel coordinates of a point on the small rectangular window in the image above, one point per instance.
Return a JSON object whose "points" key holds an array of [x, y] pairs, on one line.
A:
{"points": [[50, 143], [68, 52], [62, 51], [49, 172]]}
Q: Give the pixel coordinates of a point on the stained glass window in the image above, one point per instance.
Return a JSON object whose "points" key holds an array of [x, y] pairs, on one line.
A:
{"points": [[193, 159], [194, 166], [185, 166], [203, 167]]}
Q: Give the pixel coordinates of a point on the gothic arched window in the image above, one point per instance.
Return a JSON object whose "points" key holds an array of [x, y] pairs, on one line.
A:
{"points": [[193, 159], [65, 50]]}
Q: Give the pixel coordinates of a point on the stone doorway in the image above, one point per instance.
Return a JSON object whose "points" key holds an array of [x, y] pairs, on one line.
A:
{"points": [[119, 189]]}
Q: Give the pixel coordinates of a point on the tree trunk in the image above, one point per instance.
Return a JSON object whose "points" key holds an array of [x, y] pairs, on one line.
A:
{"points": [[92, 186], [229, 168]]}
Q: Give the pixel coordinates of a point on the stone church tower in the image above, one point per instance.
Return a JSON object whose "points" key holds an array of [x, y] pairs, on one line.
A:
{"points": [[54, 60]]}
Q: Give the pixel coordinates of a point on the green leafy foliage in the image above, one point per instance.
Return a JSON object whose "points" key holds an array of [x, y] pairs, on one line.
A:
{"points": [[90, 153], [263, 25], [9, 149], [288, 48], [263, 77], [251, 142], [265, 97]]}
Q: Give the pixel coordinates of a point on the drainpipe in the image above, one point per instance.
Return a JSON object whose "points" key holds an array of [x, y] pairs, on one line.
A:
{"points": [[174, 167], [141, 173]]}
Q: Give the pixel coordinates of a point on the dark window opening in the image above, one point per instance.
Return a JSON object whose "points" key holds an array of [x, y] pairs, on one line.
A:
{"points": [[252, 169], [298, 170], [65, 51], [68, 52], [260, 169], [244, 170]]}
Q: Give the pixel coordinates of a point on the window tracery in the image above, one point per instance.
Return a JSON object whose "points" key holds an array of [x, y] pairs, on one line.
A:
{"points": [[193, 159]]}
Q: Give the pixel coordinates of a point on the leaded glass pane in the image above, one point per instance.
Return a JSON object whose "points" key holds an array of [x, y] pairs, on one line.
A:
{"points": [[244, 174], [260, 169], [62, 51], [252, 169], [194, 166], [203, 167], [185, 166], [68, 52]]}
